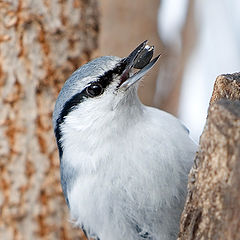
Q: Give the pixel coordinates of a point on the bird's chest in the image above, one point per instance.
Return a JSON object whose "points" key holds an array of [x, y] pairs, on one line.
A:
{"points": [[120, 178], [117, 168], [103, 150], [113, 170], [116, 187], [123, 164]]}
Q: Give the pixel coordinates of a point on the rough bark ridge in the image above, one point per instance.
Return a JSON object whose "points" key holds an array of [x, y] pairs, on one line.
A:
{"points": [[41, 43], [212, 208]]}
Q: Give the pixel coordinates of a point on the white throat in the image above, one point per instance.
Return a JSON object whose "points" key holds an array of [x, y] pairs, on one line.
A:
{"points": [[89, 128]]}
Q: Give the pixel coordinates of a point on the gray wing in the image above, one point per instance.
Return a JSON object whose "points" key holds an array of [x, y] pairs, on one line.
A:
{"points": [[68, 176]]}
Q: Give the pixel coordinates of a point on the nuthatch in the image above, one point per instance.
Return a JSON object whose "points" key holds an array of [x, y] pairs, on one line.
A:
{"points": [[124, 165]]}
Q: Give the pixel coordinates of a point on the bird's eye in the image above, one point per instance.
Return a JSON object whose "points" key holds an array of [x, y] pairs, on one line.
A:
{"points": [[94, 89]]}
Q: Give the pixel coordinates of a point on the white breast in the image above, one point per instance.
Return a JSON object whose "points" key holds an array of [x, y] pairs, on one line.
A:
{"points": [[130, 173]]}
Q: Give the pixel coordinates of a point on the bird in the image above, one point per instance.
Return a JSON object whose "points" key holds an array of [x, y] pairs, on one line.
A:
{"points": [[123, 165]]}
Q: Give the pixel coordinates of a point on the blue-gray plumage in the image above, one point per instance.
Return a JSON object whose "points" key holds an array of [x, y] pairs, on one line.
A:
{"points": [[124, 166]]}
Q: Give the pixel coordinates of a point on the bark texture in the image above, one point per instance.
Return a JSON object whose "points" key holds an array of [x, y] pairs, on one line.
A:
{"points": [[226, 86], [212, 209], [41, 43]]}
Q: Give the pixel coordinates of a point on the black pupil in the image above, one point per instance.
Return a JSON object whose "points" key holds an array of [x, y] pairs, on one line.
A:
{"points": [[94, 89]]}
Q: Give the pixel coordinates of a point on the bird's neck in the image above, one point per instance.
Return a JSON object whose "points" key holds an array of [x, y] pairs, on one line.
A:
{"points": [[93, 135]]}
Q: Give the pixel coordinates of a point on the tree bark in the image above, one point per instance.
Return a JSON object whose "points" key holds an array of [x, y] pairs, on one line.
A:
{"points": [[41, 43], [212, 208]]}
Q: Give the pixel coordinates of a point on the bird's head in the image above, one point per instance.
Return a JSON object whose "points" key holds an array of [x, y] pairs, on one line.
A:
{"points": [[101, 89]]}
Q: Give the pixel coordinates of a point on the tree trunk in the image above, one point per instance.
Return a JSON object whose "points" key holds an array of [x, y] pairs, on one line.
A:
{"points": [[41, 43], [212, 209]]}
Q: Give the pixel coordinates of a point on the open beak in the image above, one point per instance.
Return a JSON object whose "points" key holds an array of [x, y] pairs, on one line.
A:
{"points": [[140, 58]]}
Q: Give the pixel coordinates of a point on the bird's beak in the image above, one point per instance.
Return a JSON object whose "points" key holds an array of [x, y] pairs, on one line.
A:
{"points": [[140, 58]]}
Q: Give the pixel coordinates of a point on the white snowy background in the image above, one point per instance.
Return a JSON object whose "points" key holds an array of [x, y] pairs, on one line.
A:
{"points": [[217, 51]]}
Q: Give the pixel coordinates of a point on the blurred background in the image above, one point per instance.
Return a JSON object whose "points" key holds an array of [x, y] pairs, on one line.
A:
{"points": [[198, 40], [43, 42]]}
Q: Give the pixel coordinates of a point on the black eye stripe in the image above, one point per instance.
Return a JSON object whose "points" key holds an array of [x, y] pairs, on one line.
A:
{"points": [[105, 80]]}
